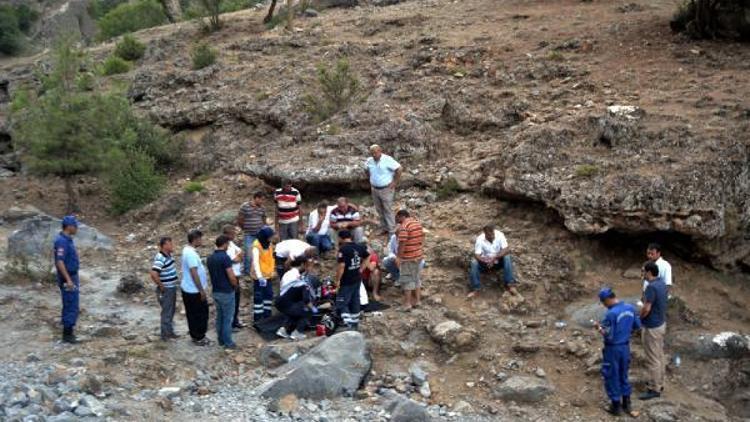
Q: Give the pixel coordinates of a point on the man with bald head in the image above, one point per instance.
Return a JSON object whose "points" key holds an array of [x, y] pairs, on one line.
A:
{"points": [[384, 173]]}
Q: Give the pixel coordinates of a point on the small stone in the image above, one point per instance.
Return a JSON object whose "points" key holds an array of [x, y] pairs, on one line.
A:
{"points": [[196, 407], [540, 373], [462, 407], [94, 405], [83, 411], [32, 357], [424, 390], [61, 405], [19, 398], [418, 375], [78, 362], [169, 392]]}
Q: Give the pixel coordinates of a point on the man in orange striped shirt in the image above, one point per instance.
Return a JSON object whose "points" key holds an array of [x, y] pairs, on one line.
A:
{"points": [[410, 254]]}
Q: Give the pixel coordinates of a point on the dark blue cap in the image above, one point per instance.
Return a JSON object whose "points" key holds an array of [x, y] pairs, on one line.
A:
{"points": [[345, 234], [69, 220], [606, 293]]}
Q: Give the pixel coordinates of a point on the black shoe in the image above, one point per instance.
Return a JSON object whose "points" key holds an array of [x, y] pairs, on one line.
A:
{"points": [[649, 394], [70, 339], [614, 408], [626, 405], [238, 325]]}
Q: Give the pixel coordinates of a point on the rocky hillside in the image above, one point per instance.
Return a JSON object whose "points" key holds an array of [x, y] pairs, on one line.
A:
{"points": [[583, 129]]}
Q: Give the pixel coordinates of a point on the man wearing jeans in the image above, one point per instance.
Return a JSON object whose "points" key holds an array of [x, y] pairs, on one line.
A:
{"points": [[654, 319], [318, 227], [224, 284], [252, 218], [384, 173], [491, 253], [164, 274]]}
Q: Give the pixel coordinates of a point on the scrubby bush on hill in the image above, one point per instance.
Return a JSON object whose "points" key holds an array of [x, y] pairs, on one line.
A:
{"points": [[129, 48], [337, 87], [14, 22], [131, 17], [114, 65], [202, 56]]}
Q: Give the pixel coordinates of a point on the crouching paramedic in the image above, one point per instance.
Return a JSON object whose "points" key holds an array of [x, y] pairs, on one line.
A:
{"points": [[295, 300], [264, 265], [618, 324]]}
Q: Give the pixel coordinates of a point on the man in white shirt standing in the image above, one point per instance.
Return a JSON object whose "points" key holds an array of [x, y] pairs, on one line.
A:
{"points": [[653, 253], [236, 255], [384, 173], [194, 287], [318, 227], [491, 253]]}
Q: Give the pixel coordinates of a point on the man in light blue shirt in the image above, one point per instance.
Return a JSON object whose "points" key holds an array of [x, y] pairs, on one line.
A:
{"points": [[384, 173], [194, 284]]}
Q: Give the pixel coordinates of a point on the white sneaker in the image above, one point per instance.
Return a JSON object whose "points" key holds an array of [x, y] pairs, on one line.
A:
{"points": [[296, 335], [281, 332]]}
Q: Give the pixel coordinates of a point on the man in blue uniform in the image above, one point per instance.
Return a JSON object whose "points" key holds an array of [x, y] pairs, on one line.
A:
{"points": [[618, 324], [66, 263]]}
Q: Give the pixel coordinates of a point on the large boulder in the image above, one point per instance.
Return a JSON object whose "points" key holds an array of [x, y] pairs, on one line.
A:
{"points": [[403, 409], [523, 389], [34, 239], [584, 314], [334, 368], [273, 355], [712, 346]]}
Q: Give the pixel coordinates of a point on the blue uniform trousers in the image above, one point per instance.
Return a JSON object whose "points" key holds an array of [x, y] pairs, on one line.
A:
{"points": [[615, 366], [69, 302], [348, 304], [262, 300]]}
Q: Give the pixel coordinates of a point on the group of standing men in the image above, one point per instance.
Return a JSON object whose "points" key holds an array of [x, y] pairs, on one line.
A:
{"points": [[622, 319], [263, 260]]}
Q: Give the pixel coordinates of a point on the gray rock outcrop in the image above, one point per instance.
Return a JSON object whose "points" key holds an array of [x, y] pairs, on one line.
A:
{"points": [[523, 389], [334, 368], [34, 239]]}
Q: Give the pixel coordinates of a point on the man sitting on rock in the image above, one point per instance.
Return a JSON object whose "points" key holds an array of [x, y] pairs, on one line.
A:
{"points": [[346, 217], [491, 253], [318, 227]]}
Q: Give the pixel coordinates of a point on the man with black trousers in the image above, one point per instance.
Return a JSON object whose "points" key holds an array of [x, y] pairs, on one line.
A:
{"points": [[194, 287], [351, 260]]}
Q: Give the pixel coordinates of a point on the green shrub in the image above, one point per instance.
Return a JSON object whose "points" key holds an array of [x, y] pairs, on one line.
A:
{"points": [[130, 48], [131, 17], [114, 65], [586, 170], [133, 180], [11, 37], [194, 186], [26, 17], [336, 89], [99, 8], [448, 188], [203, 56]]}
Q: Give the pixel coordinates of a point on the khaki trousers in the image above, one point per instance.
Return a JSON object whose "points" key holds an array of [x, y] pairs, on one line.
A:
{"points": [[653, 344], [383, 201]]}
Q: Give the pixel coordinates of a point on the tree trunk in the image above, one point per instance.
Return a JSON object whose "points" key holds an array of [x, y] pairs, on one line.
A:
{"points": [[72, 196], [173, 9], [290, 14]]}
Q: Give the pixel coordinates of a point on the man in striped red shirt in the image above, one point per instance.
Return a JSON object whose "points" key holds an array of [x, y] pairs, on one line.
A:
{"points": [[410, 254], [288, 210]]}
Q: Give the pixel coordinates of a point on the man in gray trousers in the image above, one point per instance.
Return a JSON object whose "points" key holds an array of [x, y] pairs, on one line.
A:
{"points": [[164, 275], [384, 173]]}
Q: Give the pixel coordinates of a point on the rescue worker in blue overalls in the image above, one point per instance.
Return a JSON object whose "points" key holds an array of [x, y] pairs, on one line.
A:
{"points": [[617, 326], [66, 263]]}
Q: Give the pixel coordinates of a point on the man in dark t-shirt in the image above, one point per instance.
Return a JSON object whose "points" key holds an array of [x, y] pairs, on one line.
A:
{"points": [[223, 283], [654, 319], [350, 258]]}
